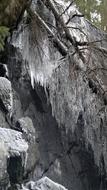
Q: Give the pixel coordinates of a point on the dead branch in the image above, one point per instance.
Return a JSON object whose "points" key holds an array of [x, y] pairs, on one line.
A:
{"points": [[59, 19], [96, 69], [76, 28], [92, 42], [102, 49], [67, 8], [51, 25], [75, 15], [60, 45], [71, 38]]}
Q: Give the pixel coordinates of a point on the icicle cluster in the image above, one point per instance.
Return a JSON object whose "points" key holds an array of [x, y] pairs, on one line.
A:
{"points": [[70, 95]]}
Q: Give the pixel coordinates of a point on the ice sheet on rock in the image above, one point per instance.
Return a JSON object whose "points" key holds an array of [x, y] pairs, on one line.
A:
{"points": [[13, 141], [11, 145], [47, 184], [43, 184], [6, 94], [37, 55], [35, 49]]}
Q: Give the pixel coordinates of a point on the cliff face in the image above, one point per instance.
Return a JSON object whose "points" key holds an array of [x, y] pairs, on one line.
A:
{"points": [[58, 105]]}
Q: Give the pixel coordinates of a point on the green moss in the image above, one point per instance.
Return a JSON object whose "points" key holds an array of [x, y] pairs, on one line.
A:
{"points": [[4, 32]]}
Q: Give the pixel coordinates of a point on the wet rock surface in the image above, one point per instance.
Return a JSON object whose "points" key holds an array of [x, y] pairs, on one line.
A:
{"points": [[59, 109]]}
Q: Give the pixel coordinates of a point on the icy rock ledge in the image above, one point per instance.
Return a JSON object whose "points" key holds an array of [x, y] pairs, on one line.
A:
{"points": [[6, 97], [13, 152], [44, 184]]}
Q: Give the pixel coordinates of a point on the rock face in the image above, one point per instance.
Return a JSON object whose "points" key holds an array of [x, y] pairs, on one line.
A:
{"points": [[59, 105]]}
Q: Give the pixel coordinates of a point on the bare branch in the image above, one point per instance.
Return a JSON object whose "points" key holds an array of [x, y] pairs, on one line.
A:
{"points": [[102, 49], [67, 8], [75, 15], [51, 25], [60, 19], [60, 45], [97, 69], [76, 28]]}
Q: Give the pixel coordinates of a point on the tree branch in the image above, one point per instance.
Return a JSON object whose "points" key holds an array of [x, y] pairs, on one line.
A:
{"points": [[50, 4], [60, 45], [67, 8], [60, 19], [75, 15]]}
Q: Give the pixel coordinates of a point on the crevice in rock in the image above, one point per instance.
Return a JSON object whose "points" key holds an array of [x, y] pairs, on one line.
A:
{"points": [[37, 101], [71, 146], [60, 156], [2, 107], [103, 178], [47, 169], [15, 169], [3, 70], [93, 86]]}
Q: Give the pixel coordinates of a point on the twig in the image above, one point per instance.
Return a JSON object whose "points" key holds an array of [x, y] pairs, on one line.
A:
{"points": [[102, 49], [76, 28], [67, 8], [60, 19], [95, 69], [75, 15], [64, 26]]}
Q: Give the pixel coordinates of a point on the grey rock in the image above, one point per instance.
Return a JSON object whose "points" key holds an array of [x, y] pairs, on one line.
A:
{"points": [[25, 125], [6, 99], [73, 135], [44, 184], [13, 141], [12, 147]]}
